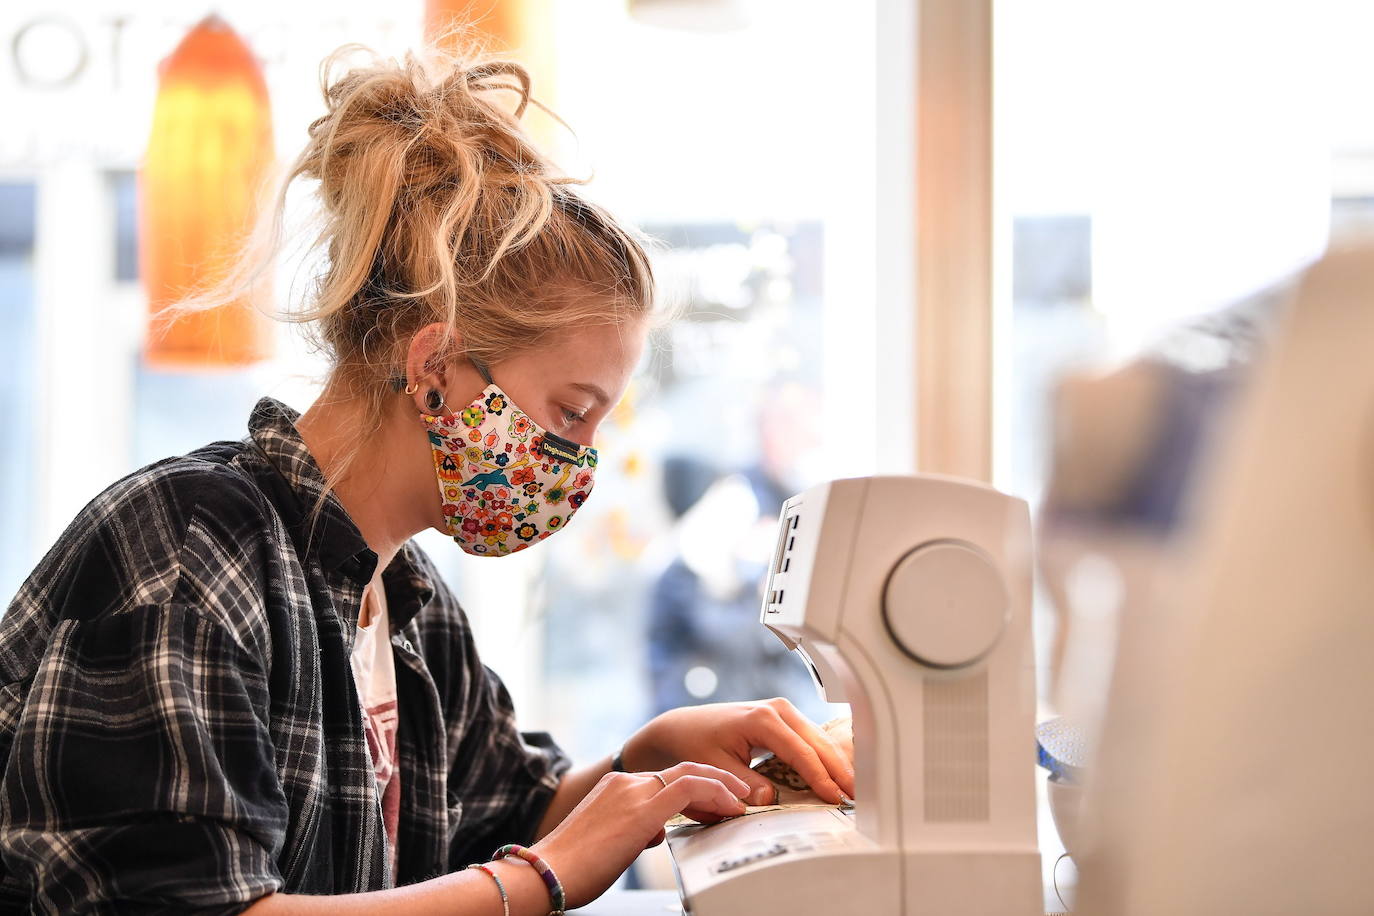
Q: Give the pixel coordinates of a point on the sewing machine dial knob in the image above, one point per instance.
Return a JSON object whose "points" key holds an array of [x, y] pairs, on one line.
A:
{"points": [[945, 604]]}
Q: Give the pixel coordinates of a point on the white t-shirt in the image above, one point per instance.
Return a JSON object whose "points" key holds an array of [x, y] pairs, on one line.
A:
{"points": [[374, 671]]}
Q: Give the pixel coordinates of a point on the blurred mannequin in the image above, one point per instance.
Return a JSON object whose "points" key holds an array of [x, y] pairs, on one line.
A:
{"points": [[1235, 759], [1127, 449]]}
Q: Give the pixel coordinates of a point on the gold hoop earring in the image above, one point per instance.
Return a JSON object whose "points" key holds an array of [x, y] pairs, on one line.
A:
{"points": [[411, 389]]}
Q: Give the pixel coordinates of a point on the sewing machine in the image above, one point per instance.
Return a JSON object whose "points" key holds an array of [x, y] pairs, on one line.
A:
{"points": [[909, 599]]}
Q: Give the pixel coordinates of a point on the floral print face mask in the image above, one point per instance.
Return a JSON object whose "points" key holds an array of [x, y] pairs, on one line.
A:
{"points": [[505, 481]]}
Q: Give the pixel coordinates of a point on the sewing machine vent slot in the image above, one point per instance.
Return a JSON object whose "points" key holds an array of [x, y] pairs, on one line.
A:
{"points": [[787, 540], [956, 748]]}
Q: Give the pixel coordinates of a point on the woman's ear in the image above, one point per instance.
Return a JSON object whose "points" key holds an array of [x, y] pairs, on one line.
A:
{"points": [[425, 357], [438, 376]]}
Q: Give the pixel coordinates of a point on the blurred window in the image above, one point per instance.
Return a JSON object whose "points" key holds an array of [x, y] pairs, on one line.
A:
{"points": [[18, 382], [1053, 326], [124, 200], [1352, 218]]}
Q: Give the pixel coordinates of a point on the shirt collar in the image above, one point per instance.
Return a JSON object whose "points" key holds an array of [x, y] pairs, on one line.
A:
{"points": [[409, 587], [332, 535]]}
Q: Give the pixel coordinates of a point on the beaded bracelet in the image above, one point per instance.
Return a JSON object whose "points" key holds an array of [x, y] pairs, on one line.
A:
{"points": [[555, 887], [500, 886]]}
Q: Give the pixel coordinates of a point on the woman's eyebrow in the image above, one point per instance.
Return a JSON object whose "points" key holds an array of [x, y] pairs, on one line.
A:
{"points": [[601, 396]]}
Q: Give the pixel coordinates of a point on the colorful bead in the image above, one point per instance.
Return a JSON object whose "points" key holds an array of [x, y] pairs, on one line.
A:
{"points": [[555, 887], [500, 886]]}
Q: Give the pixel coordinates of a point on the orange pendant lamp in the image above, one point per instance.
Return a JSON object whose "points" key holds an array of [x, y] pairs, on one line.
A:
{"points": [[200, 187], [519, 30]]}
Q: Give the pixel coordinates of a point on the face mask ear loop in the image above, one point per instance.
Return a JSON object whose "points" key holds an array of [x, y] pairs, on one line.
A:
{"points": [[482, 370]]}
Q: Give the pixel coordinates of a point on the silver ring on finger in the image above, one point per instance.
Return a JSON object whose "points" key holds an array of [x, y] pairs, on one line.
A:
{"points": [[659, 777]]}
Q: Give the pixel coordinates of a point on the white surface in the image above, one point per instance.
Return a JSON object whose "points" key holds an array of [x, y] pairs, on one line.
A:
{"points": [[1066, 801], [665, 903]]}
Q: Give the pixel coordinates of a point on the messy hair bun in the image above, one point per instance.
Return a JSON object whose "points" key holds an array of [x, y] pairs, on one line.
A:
{"points": [[436, 207]]}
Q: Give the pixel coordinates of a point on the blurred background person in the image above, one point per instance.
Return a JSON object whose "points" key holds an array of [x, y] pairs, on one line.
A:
{"points": [[704, 639]]}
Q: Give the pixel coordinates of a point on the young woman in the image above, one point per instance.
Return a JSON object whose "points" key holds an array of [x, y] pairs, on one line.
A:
{"points": [[236, 684]]}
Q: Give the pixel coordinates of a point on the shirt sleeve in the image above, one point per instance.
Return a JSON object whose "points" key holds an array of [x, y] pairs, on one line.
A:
{"points": [[141, 776], [503, 778]]}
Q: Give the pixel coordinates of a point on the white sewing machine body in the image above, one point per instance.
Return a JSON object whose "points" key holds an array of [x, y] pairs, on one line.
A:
{"points": [[909, 597]]}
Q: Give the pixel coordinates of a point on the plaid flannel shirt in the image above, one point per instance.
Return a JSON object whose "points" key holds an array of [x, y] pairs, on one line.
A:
{"points": [[179, 724]]}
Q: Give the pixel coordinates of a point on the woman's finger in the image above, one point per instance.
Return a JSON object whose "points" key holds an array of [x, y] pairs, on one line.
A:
{"points": [[776, 734], [758, 789], [837, 763], [735, 782], [761, 788], [699, 793]]}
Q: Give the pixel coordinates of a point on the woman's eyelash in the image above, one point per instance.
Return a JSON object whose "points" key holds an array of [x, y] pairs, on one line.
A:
{"points": [[572, 416]]}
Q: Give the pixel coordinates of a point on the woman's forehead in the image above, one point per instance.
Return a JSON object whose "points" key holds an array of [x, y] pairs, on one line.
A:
{"points": [[596, 360]]}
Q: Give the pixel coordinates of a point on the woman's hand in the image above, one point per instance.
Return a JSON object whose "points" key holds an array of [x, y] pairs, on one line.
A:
{"points": [[624, 815], [725, 735]]}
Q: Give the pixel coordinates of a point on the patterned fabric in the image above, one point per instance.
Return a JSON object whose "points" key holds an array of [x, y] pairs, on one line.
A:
{"points": [[179, 724], [374, 671], [505, 481]]}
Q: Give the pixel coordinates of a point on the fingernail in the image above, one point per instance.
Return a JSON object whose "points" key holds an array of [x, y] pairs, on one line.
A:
{"points": [[846, 800], [760, 796]]}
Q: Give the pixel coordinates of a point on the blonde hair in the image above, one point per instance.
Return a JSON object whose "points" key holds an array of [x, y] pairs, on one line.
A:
{"points": [[435, 207], [438, 208]]}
